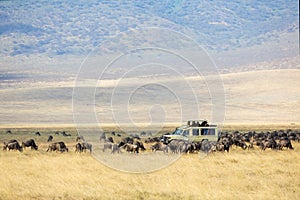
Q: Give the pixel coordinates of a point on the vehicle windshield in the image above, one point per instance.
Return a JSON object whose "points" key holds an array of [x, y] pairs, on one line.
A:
{"points": [[177, 132]]}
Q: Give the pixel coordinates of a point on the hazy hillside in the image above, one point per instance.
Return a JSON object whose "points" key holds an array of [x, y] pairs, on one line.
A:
{"points": [[44, 43], [76, 27], [46, 34]]}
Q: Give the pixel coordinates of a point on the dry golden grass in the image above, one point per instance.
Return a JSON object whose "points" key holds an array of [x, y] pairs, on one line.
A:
{"points": [[235, 175]]}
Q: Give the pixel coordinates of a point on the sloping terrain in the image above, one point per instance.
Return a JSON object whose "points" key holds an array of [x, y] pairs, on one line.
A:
{"points": [[50, 36], [251, 97], [43, 44]]}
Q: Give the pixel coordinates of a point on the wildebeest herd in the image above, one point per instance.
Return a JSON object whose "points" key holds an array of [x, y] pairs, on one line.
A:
{"points": [[14, 145], [246, 141], [52, 146], [275, 140]]}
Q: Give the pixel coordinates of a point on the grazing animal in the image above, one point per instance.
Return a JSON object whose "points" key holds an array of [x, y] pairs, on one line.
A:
{"points": [[37, 133], [8, 132], [159, 146], [78, 148], [29, 143], [50, 138], [107, 146], [6, 143], [109, 139], [53, 147], [298, 137], [241, 144], [13, 146], [174, 146], [285, 143], [227, 146], [219, 147], [140, 145], [206, 146], [129, 140], [58, 146], [154, 139], [12, 141], [87, 146], [102, 137], [132, 148], [190, 147], [65, 134], [135, 136], [115, 148], [79, 138], [269, 144], [63, 147]]}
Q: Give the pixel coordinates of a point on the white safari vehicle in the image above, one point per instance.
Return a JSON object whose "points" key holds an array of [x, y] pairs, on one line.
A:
{"points": [[195, 130]]}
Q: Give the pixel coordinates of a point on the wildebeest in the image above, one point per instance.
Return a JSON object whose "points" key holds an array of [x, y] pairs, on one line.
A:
{"points": [[38, 133], [6, 143], [206, 146], [132, 148], [109, 139], [54, 147], [190, 147], [78, 148], [298, 137], [285, 143], [107, 145], [50, 138], [87, 146], [12, 141], [159, 146], [176, 146], [65, 134], [240, 143], [269, 144], [135, 136], [12, 145], [128, 140], [115, 148], [8, 132], [219, 146], [140, 145], [79, 138], [58, 146], [29, 143], [102, 137], [154, 139]]}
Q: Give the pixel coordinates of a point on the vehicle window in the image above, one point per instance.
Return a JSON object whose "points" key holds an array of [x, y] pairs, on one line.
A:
{"points": [[195, 131], [206, 131], [185, 133], [177, 132], [211, 132]]}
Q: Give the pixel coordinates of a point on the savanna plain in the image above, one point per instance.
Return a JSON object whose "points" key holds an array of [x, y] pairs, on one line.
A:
{"points": [[238, 174]]}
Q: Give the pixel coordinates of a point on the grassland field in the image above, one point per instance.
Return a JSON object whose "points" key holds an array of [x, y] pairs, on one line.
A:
{"points": [[239, 174]]}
